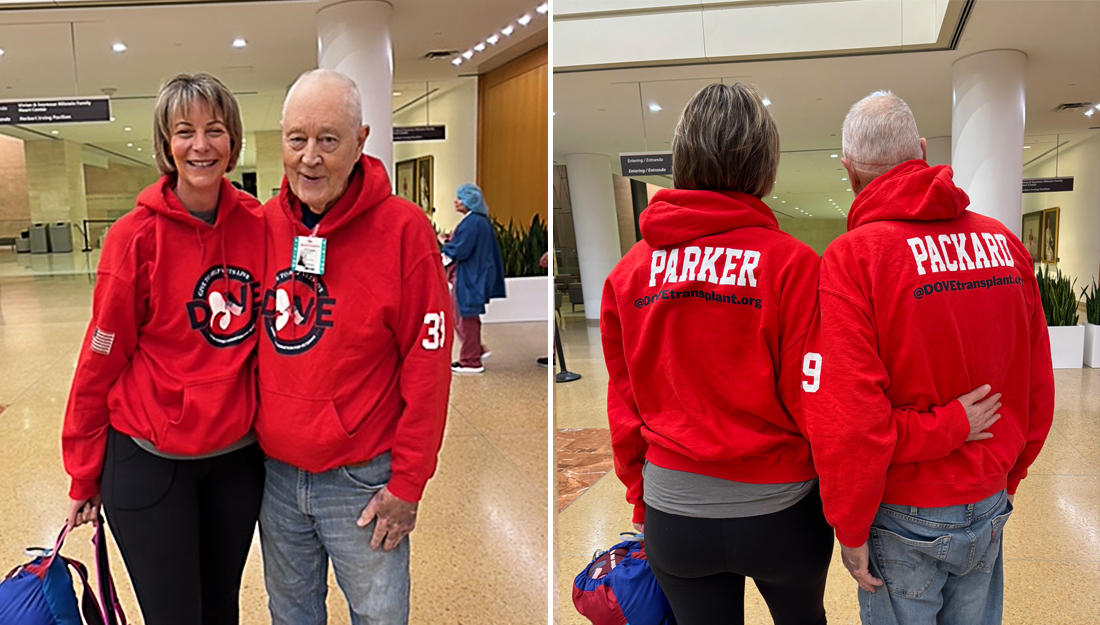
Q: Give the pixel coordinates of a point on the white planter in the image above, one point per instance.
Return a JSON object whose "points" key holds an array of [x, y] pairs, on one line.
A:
{"points": [[1067, 346], [1092, 345], [528, 300]]}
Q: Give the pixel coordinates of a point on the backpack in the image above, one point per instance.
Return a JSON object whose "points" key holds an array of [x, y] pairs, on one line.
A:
{"points": [[618, 587], [40, 592]]}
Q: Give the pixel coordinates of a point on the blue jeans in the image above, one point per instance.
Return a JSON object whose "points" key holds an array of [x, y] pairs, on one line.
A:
{"points": [[309, 518], [939, 565]]}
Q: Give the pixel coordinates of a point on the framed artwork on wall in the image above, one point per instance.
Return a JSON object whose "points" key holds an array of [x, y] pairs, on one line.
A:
{"points": [[1050, 235], [425, 183], [405, 175], [1032, 234]]}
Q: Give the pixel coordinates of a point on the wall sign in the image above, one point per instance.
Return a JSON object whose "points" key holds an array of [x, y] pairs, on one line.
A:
{"points": [[55, 111], [646, 163], [1048, 185], [419, 133]]}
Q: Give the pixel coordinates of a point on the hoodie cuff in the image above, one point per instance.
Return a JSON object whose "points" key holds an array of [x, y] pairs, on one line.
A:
{"points": [[1013, 484], [405, 489], [81, 490], [958, 425], [853, 540], [639, 513]]}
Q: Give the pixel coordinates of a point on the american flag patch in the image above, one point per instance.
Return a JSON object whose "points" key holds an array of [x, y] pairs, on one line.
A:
{"points": [[102, 341]]}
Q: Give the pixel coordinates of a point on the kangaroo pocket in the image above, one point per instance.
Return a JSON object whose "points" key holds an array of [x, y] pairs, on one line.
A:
{"points": [[286, 421], [215, 413]]}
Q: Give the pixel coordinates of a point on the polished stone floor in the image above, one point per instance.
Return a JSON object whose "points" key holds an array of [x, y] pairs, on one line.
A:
{"points": [[1052, 542], [487, 503]]}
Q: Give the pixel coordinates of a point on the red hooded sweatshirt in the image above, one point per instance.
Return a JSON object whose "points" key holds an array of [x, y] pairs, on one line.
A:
{"points": [[920, 302], [703, 326], [356, 362], [169, 355]]}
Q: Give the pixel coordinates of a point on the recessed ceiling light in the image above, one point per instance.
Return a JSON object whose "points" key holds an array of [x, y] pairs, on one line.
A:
{"points": [[457, 61], [782, 201], [843, 179], [493, 39], [543, 8], [654, 107], [775, 197], [119, 47], [525, 20], [767, 102], [1089, 113], [396, 93], [1, 53], [129, 145], [508, 30], [1027, 147], [833, 156], [847, 189], [53, 132], [239, 43], [127, 129], [139, 149], [480, 47], [469, 54], [830, 199]]}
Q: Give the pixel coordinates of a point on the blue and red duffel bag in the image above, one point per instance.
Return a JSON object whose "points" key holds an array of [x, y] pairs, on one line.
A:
{"points": [[40, 592], [618, 588]]}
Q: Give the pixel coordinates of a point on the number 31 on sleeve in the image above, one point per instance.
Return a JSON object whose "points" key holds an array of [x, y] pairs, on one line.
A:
{"points": [[436, 326], [811, 368]]}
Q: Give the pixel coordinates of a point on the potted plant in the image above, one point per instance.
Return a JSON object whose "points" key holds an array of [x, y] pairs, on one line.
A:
{"points": [[525, 281], [1092, 326], [1067, 338]]}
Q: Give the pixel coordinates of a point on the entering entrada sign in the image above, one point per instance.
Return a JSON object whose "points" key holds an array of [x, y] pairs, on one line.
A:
{"points": [[646, 163], [1048, 185], [55, 111]]}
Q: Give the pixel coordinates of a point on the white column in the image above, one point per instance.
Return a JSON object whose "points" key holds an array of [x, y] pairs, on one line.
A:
{"points": [[597, 228], [939, 151], [987, 132], [354, 38]]}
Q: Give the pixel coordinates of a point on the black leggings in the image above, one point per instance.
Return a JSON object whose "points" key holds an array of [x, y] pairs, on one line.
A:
{"points": [[702, 564], [184, 528]]}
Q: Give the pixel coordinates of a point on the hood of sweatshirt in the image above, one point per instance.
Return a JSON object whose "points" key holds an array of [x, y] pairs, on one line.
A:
{"points": [[368, 187], [162, 199], [677, 215], [910, 191]]}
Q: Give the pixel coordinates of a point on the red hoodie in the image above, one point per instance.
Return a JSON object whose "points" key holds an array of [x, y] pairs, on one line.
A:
{"points": [[357, 362], [703, 325], [169, 355], [920, 302]]}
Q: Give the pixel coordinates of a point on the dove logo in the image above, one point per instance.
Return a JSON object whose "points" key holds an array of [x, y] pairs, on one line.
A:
{"points": [[224, 306], [296, 312]]}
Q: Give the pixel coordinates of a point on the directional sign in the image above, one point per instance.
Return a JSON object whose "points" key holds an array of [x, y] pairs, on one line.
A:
{"points": [[419, 133], [55, 111], [1048, 185], [646, 163]]}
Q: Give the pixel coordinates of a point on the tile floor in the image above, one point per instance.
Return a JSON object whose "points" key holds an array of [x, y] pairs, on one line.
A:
{"points": [[489, 495], [1052, 542]]}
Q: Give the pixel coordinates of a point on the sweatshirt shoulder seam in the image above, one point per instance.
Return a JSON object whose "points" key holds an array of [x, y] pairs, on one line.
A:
{"points": [[861, 305]]}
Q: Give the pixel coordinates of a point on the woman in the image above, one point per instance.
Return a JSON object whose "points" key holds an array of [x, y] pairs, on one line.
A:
{"points": [[160, 414], [478, 274]]}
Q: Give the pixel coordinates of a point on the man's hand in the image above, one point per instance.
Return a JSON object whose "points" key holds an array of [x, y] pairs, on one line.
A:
{"points": [[981, 414], [83, 511], [1012, 499], [856, 560], [396, 518]]}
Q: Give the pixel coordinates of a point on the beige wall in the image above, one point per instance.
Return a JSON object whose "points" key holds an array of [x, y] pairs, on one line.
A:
{"points": [[15, 201], [269, 162], [112, 190], [624, 212], [817, 233], [55, 178]]}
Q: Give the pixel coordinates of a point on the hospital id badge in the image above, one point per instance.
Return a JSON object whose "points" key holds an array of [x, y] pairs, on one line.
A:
{"points": [[309, 255]]}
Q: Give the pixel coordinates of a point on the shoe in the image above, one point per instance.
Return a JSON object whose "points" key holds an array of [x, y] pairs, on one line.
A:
{"points": [[485, 354], [458, 367], [544, 362]]}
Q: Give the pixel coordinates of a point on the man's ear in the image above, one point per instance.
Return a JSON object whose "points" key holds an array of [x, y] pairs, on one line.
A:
{"points": [[853, 177], [923, 150], [364, 132]]}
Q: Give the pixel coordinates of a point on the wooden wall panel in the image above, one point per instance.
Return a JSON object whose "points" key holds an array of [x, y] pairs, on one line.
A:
{"points": [[513, 167]]}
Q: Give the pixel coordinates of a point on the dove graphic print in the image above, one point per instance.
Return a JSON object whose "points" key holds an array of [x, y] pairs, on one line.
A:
{"points": [[224, 309]]}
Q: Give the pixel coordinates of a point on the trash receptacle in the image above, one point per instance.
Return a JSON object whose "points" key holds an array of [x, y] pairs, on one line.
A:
{"points": [[40, 239], [61, 237], [23, 242]]}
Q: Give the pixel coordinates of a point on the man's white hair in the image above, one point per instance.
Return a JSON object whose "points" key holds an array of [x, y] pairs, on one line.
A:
{"points": [[880, 133], [351, 92]]}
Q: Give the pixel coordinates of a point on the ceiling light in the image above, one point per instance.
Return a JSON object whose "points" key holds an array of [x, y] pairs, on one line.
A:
{"points": [[468, 54], [847, 189], [1, 53], [833, 156], [129, 145], [654, 107], [396, 93], [139, 149], [493, 39], [480, 47], [457, 61], [508, 30], [843, 179], [525, 20], [830, 199], [782, 201], [119, 47], [775, 197], [543, 8], [239, 43], [127, 129], [1027, 147], [767, 102], [1089, 113], [53, 132]]}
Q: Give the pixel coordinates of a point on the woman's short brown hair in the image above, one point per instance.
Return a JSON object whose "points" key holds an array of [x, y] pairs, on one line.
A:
{"points": [[726, 140], [176, 97]]}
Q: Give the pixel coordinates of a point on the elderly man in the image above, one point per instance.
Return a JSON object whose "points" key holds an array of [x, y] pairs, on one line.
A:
{"points": [[354, 369], [921, 301]]}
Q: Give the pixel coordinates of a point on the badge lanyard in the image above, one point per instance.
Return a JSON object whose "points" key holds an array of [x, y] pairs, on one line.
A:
{"points": [[309, 254]]}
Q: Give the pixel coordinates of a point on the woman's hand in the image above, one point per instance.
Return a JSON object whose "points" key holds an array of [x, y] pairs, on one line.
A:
{"points": [[640, 528], [981, 414], [83, 511]]}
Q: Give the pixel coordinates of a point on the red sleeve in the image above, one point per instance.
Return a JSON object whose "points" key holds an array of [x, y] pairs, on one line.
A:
{"points": [[1040, 393], [627, 443], [424, 336], [797, 305], [119, 305]]}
